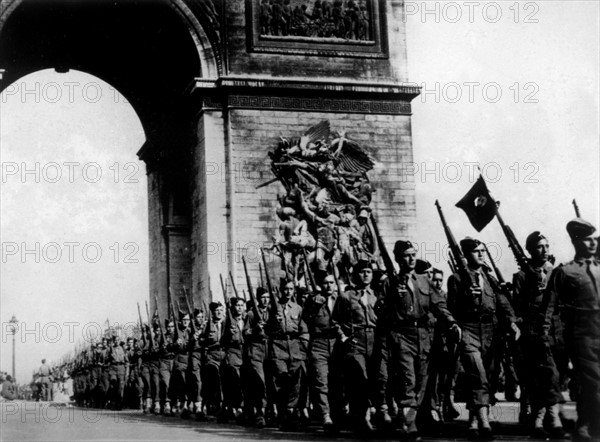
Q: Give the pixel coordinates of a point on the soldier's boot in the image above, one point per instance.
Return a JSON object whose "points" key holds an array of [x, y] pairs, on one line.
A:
{"points": [[383, 419], [524, 413], [401, 419], [328, 426], [411, 424], [362, 424], [260, 418], [473, 428], [538, 431], [167, 410], [483, 418], [156, 408], [556, 427]]}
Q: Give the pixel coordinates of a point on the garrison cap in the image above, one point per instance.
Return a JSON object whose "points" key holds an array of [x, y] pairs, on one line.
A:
{"points": [[469, 244], [579, 228], [422, 266], [362, 264], [197, 311], [214, 305], [183, 315], [402, 246], [533, 239]]}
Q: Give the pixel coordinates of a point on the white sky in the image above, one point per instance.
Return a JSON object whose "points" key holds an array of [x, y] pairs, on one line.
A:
{"points": [[552, 143]]}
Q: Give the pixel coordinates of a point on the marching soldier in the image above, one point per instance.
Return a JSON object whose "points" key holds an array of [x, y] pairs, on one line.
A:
{"points": [[538, 372], [180, 365], [134, 381], [573, 290], [103, 361], [288, 342], [362, 337], [476, 302], [410, 303], [325, 380], [166, 360], [117, 365], [211, 376], [195, 363], [154, 366], [255, 396], [233, 345]]}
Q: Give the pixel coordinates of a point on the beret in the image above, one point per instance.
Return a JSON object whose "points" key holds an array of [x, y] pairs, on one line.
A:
{"points": [[469, 244], [533, 239], [579, 228], [402, 246]]}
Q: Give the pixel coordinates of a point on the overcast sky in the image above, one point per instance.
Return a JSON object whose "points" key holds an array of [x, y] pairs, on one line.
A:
{"points": [[514, 89]]}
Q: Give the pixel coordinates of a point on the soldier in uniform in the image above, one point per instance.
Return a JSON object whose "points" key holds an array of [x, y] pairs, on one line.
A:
{"points": [[287, 348], [134, 381], [144, 350], [117, 366], [410, 303], [324, 356], [44, 373], [211, 377], [231, 366], [361, 338], [195, 364], [180, 365], [573, 289], [154, 365], [476, 301], [166, 360], [255, 396], [104, 381], [537, 370]]}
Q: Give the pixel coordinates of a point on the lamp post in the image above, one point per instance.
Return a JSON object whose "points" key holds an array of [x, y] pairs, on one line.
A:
{"points": [[13, 328]]}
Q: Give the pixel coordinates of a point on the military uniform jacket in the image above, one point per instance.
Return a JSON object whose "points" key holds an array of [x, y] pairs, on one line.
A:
{"points": [[288, 336], [359, 317], [528, 297], [117, 355], [233, 340], [213, 333], [484, 308], [319, 318], [413, 305], [573, 290], [255, 336]]}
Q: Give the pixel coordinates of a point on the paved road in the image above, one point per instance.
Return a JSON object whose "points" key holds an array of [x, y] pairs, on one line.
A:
{"points": [[31, 421]]}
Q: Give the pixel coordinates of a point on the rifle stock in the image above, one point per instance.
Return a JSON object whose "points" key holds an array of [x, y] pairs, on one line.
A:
{"points": [[456, 253], [190, 311], [162, 332], [387, 259], [150, 326], [250, 289], [141, 325]]}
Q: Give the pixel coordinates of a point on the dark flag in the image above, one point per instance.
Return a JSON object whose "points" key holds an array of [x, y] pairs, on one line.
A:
{"points": [[479, 205]]}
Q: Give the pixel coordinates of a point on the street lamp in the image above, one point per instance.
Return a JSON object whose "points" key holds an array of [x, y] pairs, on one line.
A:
{"points": [[13, 328]]}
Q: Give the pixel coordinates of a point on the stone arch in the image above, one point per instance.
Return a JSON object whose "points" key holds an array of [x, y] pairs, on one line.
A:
{"points": [[153, 53]]}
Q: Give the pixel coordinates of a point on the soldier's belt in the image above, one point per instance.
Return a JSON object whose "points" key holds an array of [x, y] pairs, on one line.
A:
{"points": [[411, 323], [324, 335], [288, 335]]}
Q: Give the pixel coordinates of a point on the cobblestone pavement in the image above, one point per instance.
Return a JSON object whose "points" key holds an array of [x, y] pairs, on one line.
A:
{"points": [[31, 421]]}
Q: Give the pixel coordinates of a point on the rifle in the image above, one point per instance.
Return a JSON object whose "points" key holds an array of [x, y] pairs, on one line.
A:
{"points": [[452, 262], [309, 272], [228, 305], [141, 325], [150, 326], [174, 316], [514, 245], [387, 260], [499, 276], [190, 312], [250, 290], [233, 285], [272, 296], [576, 207], [162, 332], [456, 253], [260, 272], [337, 281]]}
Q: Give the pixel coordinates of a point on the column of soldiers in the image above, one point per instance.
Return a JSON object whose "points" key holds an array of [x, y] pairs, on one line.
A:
{"points": [[380, 352]]}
